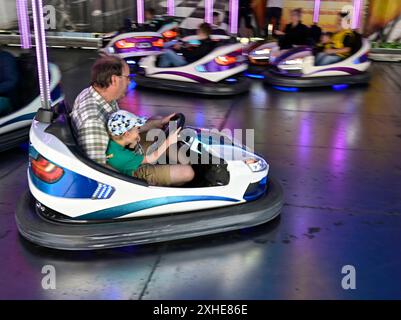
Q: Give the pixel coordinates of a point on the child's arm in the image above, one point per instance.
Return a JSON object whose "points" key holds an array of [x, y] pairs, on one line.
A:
{"points": [[154, 156]]}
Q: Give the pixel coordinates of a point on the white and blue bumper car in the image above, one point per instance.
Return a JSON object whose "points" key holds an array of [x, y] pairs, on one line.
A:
{"points": [[75, 204], [296, 68], [219, 73], [15, 125]]}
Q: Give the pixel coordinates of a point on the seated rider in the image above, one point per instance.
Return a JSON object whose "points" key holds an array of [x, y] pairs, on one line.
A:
{"points": [[341, 47], [190, 53], [218, 27], [92, 107], [326, 42], [295, 33], [128, 156], [8, 82]]}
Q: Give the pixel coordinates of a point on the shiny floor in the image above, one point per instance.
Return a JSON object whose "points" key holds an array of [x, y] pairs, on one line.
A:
{"points": [[338, 157]]}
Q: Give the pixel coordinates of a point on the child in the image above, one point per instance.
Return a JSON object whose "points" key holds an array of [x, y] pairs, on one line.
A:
{"points": [[123, 128], [326, 42]]}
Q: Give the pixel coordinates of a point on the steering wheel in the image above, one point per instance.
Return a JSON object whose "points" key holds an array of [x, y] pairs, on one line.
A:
{"points": [[179, 118]]}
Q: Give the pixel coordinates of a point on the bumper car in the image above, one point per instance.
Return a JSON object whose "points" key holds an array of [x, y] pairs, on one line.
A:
{"points": [[259, 53], [217, 74], [296, 68], [15, 125], [143, 41], [75, 204]]}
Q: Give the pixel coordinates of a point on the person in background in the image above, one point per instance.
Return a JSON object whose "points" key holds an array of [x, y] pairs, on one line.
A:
{"points": [[245, 12], [315, 33], [190, 54], [127, 26], [150, 14], [342, 43], [8, 82], [218, 28], [274, 11], [295, 33]]}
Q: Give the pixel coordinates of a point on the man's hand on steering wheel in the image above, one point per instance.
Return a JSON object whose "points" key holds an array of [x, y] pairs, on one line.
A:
{"points": [[166, 120]]}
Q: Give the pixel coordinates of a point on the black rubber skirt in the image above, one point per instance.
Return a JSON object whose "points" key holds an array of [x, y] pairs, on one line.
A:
{"points": [[207, 89], [91, 236], [14, 138], [276, 79]]}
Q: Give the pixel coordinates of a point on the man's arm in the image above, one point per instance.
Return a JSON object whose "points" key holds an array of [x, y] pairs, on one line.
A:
{"points": [[338, 51], [155, 123]]}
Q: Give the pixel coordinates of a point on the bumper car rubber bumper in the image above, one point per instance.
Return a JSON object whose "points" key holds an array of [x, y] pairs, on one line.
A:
{"points": [[210, 89], [14, 138], [91, 236], [275, 79]]}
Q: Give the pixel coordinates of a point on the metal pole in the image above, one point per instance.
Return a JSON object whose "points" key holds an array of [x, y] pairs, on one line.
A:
{"points": [[316, 11], [233, 16], [170, 8], [358, 6], [209, 11], [41, 53], [140, 11], [23, 24]]}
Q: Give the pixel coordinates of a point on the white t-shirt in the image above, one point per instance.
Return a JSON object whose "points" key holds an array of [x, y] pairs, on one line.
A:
{"points": [[274, 3]]}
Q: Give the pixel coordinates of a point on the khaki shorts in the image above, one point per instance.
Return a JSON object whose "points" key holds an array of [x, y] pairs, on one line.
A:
{"points": [[154, 174]]}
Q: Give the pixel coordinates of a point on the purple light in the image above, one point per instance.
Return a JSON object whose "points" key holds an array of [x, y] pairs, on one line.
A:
{"points": [[209, 11], [41, 53], [316, 11], [170, 8], [140, 10], [356, 14], [233, 16], [23, 24]]}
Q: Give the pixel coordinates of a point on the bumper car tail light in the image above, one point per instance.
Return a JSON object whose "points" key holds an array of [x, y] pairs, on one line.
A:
{"points": [[169, 34], [158, 43], [46, 170], [123, 44]]}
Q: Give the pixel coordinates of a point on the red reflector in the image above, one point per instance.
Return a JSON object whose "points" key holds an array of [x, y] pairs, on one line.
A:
{"points": [[45, 170], [158, 43], [170, 34], [225, 60], [123, 44]]}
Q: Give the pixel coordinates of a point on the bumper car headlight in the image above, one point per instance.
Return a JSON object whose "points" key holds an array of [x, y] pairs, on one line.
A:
{"points": [[256, 165], [294, 64], [260, 52]]}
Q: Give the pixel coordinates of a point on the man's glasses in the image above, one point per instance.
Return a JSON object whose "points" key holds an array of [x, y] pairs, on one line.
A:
{"points": [[126, 76]]}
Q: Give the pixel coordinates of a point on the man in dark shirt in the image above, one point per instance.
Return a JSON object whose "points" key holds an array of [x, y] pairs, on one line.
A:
{"points": [[189, 54], [295, 33], [8, 81]]}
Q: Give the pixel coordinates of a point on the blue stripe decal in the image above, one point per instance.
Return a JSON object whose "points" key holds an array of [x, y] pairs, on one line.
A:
{"points": [[71, 184], [125, 209], [24, 117]]}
